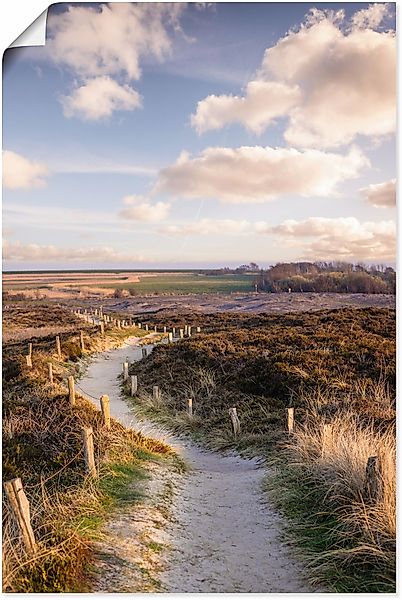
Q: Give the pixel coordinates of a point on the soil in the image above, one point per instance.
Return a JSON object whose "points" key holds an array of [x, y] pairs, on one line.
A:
{"points": [[214, 528]]}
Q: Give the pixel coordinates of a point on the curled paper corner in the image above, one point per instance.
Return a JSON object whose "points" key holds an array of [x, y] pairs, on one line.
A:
{"points": [[34, 34]]}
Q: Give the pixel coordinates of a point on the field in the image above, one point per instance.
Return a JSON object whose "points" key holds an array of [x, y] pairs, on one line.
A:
{"points": [[103, 284]]}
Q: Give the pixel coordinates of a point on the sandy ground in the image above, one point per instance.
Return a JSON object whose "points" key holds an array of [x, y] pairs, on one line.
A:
{"points": [[220, 533], [250, 303]]}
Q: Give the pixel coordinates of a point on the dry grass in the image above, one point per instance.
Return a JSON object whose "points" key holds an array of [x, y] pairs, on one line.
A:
{"points": [[42, 445], [323, 486]]}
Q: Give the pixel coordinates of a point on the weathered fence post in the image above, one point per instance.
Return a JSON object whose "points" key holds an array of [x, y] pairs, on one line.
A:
{"points": [[134, 384], [105, 407], [198, 329], [190, 407], [102, 328], [58, 346], [20, 509], [235, 421], [30, 349], [185, 329], [164, 329], [28, 358], [326, 435], [174, 331], [82, 341], [156, 392], [373, 482], [71, 390], [50, 371], [291, 419], [155, 329], [170, 337], [125, 371], [146, 327], [88, 441], [181, 333]]}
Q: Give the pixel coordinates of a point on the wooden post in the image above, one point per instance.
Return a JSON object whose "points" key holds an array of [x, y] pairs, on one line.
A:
{"points": [[198, 329], [235, 421], [105, 407], [102, 328], [373, 486], [190, 407], [30, 349], [71, 390], [82, 341], [185, 329], [170, 337], [174, 331], [139, 325], [125, 371], [58, 346], [325, 440], [189, 332], [156, 392], [134, 384], [88, 441], [291, 420], [164, 329], [118, 324], [146, 327], [20, 508], [155, 329], [29, 361], [181, 333], [50, 370]]}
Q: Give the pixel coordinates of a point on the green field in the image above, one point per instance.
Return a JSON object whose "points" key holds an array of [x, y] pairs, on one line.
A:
{"points": [[187, 284]]}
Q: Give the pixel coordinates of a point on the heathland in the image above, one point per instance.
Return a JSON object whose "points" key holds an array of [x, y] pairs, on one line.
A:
{"points": [[334, 366]]}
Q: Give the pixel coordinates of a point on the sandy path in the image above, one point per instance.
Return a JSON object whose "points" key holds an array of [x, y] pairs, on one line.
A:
{"points": [[223, 535]]}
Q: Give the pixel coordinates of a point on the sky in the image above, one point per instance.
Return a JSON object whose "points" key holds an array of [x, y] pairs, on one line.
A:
{"points": [[149, 136]]}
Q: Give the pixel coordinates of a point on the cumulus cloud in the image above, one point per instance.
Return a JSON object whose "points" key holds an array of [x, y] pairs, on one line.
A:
{"points": [[344, 238], [380, 194], [109, 41], [257, 174], [99, 98], [209, 227], [252, 110], [17, 251], [337, 82], [22, 173], [140, 209]]}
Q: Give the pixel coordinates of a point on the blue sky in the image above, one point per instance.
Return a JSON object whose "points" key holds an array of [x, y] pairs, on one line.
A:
{"points": [[287, 124]]}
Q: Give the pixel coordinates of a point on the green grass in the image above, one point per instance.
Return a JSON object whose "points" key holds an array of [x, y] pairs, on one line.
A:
{"points": [[185, 284], [323, 539]]}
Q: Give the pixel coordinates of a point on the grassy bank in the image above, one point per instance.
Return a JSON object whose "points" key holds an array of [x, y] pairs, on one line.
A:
{"points": [[42, 445], [336, 368]]}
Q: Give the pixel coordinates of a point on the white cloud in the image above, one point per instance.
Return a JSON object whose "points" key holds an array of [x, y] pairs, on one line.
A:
{"points": [[110, 39], [253, 109], [108, 42], [17, 251], [22, 173], [371, 17], [380, 194], [343, 238], [257, 174], [99, 98], [209, 227], [343, 79], [140, 209]]}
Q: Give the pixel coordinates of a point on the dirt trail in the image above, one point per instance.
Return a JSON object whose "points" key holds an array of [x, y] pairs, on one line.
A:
{"points": [[223, 535]]}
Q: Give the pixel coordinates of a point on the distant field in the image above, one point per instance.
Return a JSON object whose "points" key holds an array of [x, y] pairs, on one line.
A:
{"points": [[102, 284]]}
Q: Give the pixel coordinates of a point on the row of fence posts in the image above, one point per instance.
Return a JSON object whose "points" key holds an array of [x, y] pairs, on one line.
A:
{"points": [[14, 490]]}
